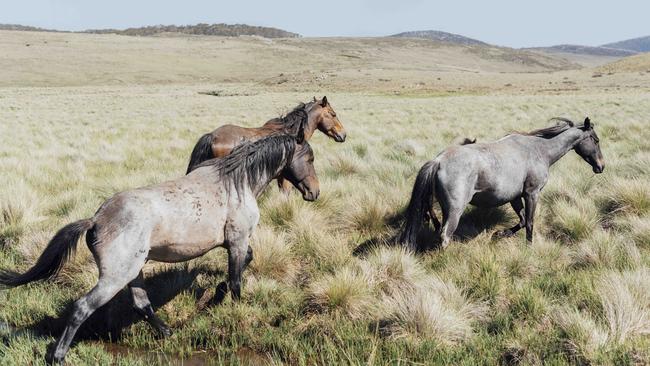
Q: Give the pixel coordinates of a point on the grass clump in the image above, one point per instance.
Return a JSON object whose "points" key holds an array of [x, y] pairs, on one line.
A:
{"points": [[436, 310], [347, 292], [573, 221], [605, 250], [628, 196], [273, 257]]}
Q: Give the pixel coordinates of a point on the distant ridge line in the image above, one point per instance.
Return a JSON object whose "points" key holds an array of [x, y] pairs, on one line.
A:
{"points": [[221, 29]]}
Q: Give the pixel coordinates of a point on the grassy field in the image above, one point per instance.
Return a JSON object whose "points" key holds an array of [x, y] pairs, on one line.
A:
{"points": [[325, 288]]}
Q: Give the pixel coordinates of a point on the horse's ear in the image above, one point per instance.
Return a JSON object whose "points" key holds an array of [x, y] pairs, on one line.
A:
{"points": [[314, 98], [588, 124], [323, 102]]}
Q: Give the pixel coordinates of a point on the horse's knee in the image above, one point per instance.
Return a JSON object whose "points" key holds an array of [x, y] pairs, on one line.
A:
{"points": [[80, 311]]}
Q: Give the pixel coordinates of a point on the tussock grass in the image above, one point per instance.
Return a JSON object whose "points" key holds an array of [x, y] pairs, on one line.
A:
{"points": [[393, 269], [626, 303], [640, 228], [18, 210], [576, 295], [347, 291], [273, 257], [436, 310], [604, 250], [628, 196], [625, 314], [573, 221]]}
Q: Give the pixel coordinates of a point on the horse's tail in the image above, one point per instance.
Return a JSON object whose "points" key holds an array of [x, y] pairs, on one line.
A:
{"points": [[57, 252], [202, 151], [420, 204]]}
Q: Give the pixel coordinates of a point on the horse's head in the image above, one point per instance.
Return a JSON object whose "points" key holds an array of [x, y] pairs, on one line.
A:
{"points": [[301, 173], [589, 147], [326, 120]]}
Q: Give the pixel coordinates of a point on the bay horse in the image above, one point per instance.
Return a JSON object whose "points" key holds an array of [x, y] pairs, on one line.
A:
{"points": [[513, 169], [317, 114], [175, 221]]}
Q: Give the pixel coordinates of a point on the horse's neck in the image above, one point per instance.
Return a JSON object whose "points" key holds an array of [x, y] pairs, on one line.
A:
{"points": [[556, 147], [258, 187], [313, 119]]}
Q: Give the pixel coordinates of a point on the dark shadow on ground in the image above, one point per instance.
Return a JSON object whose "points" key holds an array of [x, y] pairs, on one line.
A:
{"points": [[109, 321], [473, 222]]}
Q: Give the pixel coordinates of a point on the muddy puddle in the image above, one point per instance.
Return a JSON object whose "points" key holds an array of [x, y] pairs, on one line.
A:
{"points": [[245, 356]]}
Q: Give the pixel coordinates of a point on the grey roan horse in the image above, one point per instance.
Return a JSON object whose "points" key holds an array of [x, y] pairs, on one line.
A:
{"points": [[175, 221], [513, 169]]}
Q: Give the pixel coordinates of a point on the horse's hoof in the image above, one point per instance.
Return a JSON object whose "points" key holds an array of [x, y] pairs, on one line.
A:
{"points": [[502, 234], [51, 359], [164, 331]]}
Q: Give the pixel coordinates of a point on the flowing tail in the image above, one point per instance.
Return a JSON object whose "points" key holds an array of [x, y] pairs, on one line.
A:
{"points": [[420, 204], [202, 151], [57, 252]]}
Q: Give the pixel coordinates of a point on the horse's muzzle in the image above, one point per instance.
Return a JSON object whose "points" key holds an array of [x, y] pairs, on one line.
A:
{"points": [[339, 136], [311, 196], [598, 168]]}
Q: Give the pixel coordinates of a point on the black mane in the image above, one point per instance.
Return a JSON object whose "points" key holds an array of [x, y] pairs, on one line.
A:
{"points": [[293, 121], [250, 161], [550, 132]]}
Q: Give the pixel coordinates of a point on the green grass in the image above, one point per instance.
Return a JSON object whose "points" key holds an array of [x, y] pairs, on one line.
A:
{"points": [[576, 296]]}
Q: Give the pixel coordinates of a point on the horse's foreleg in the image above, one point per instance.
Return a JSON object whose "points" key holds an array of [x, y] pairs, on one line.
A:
{"points": [[517, 205], [237, 255], [531, 203], [142, 306], [249, 257]]}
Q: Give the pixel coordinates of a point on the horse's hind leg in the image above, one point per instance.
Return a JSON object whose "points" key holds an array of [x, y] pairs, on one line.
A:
{"points": [[105, 290], [142, 306], [450, 221], [434, 220], [453, 201], [517, 205]]}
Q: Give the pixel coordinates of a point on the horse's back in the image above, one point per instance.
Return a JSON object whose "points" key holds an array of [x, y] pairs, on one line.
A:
{"points": [[180, 219], [491, 174], [225, 138]]}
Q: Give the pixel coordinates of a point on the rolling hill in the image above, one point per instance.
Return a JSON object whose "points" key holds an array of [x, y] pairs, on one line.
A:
{"points": [[641, 44], [587, 50], [637, 63], [110, 59], [442, 37]]}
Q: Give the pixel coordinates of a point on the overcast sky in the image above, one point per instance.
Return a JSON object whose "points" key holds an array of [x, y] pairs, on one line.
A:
{"points": [[514, 23]]}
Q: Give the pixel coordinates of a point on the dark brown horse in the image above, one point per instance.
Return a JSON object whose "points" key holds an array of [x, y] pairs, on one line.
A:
{"points": [[317, 114]]}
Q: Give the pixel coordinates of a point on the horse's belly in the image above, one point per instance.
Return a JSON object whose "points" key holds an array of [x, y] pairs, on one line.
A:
{"points": [[494, 198], [180, 252], [183, 240], [485, 199]]}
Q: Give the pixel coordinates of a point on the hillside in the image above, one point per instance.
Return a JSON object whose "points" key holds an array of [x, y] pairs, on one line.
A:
{"points": [[109, 59], [441, 36], [641, 44], [586, 50], [24, 28], [226, 30], [638, 63]]}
